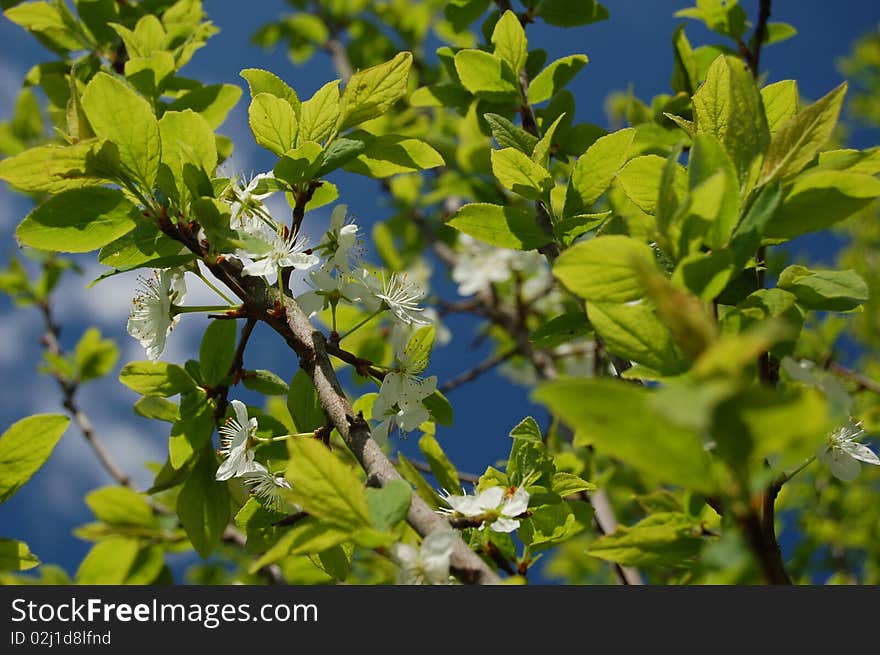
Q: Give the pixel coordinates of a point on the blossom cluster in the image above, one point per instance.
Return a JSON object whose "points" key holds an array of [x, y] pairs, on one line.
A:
{"points": [[237, 444], [335, 274]]}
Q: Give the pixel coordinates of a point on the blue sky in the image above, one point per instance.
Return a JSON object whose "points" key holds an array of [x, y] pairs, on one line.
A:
{"points": [[632, 48]]}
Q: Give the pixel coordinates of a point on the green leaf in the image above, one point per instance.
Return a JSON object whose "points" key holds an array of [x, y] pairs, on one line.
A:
{"points": [[595, 170], [708, 158], [53, 168], [150, 75], [705, 274], [373, 91], [567, 484], [508, 135], [273, 123], [605, 269], [833, 291], [800, 137], [561, 329], [441, 467], [613, 415], [189, 435], [510, 41], [78, 220], [817, 200], [555, 523], [747, 235], [324, 486], [409, 473], [217, 351], [541, 153], [780, 101], [46, 20], [120, 506], [320, 114], [308, 536], [785, 426], [16, 556], [527, 430], [25, 446], [505, 227], [147, 567], [485, 75], [684, 77], [570, 13], [728, 106], [187, 140], [515, 171], [212, 102], [662, 539], [633, 331], [553, 79], [389, 505], [391, 154], [108, 562], [303, 403], [95, 357], [640, 179], [144, 244], [203, 505], [440, 408], [120, 114], [335, 562], [156, 378], [154, 407], [265, 382], [262, 81], [300, 164]]}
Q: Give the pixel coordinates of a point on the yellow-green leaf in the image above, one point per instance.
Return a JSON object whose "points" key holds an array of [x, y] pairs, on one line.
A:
{"points": [[373, 91], [25, 446], [118, 113]]}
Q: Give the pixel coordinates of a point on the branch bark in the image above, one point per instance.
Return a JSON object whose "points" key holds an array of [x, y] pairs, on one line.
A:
{"points": [[285, 317]]}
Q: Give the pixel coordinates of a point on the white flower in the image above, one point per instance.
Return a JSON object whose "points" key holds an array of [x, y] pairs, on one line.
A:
{"points": [[479, 265], [497, 506], [428, 564], [151, 320], [271, 490], [339, 240], [400, 402], [284, 252], [325, 287], [403, 389], [246, 204], [235, 437], [397, 295], [842, 453]]}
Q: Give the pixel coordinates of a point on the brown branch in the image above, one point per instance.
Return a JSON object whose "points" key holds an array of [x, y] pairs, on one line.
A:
{"points": [[235, 369], [760, 34], [287, 319], [68, 390], [862, 382], [68, 393], [486, 365]]}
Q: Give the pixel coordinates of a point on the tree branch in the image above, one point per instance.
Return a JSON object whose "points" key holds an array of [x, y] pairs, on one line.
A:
{"points": [[863, 382], [486, 365], [287, 319], [68, 393]]}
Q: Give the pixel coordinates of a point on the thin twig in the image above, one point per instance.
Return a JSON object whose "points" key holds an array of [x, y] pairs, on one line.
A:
{"points": [[863, 382], [486, 365], [68, 392]]}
